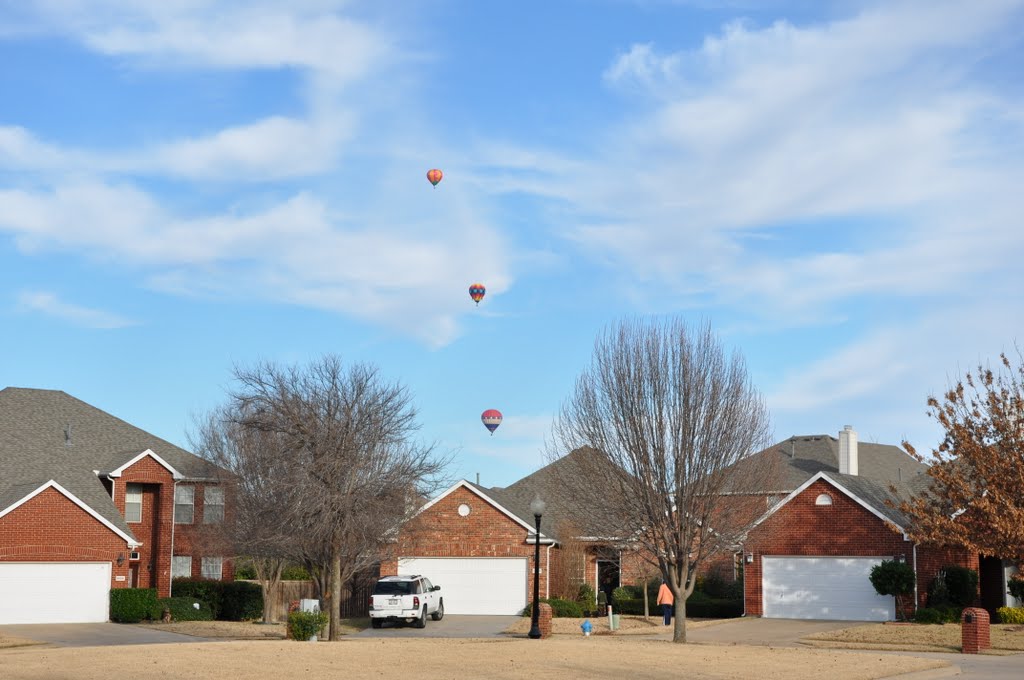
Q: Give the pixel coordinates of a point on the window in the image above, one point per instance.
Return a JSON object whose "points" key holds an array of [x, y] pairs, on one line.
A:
{"points": [[823, 499], [213, 505], [213, 567], [133, 503], [181, 566], [184, 504]]}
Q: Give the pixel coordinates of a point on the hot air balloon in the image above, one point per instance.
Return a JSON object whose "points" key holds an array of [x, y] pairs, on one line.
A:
{"points": [[491, 418], [477, 292], [434, 176]]}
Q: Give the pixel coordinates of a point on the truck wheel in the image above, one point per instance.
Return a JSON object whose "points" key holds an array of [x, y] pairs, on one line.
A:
{"points": [[439, 614], [422, 621]]}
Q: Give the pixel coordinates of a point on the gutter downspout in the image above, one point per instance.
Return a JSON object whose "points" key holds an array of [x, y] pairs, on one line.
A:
{"points": [[547, 572]]}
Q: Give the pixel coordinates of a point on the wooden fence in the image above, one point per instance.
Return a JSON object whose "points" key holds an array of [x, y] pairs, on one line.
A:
{"points": [[355, 601]]}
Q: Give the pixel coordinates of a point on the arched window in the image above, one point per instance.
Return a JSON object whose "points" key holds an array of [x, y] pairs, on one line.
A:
{"points": [[823, 499]]}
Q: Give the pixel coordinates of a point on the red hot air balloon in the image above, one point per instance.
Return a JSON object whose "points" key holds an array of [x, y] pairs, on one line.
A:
{"points": [[491, 418], [477, 292], [434, 176]]}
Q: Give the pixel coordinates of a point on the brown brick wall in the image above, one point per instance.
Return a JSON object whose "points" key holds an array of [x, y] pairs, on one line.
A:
{"points": [[52, 528], [800, 527]]}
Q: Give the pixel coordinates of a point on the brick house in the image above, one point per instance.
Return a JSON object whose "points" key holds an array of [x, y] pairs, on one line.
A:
{"points": [[826, 521], [89, 503], [478, 543], [829, 522]]}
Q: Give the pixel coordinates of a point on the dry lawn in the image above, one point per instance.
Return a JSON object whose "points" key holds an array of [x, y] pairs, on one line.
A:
{"points": [[7, 641], [599, 657], [628, 625], [239, 630], [1006, 638]]}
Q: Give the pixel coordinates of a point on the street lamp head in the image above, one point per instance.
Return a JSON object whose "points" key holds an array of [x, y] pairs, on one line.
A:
{"points": [[537, 507]]}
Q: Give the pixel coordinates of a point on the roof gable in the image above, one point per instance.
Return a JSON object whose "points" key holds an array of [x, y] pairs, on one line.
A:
{"points": [[839, 486], [472, 488], [148, 452], [74, 499]]}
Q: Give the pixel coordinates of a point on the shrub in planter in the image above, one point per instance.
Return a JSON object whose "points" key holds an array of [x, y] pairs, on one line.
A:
{"points": [[182, 609], [304, 625], [131, 605], [240, 601], [1011, 614]]}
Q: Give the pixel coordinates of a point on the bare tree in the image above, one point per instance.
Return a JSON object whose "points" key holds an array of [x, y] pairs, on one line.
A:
{"points": [[660, 423], [261, 485], [350, 434]]}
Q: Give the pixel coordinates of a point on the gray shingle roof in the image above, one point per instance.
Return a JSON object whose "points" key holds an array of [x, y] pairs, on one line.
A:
{"points": [[34, 450]]}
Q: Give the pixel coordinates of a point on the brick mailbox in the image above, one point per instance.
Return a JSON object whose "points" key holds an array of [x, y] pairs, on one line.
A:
{"points": [[544, 612], [974, 628]]}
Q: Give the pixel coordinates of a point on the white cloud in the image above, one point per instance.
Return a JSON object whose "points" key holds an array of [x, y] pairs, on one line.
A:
{"points": [[50, 305], [296, 251]]}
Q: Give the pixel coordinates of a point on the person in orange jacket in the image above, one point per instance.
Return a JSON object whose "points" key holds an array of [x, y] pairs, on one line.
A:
{"points": [[666, 600]]}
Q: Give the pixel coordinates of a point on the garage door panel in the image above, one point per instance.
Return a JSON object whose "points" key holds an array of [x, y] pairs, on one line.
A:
{"points": [[54, 592], [823, 588], [474, 585]]}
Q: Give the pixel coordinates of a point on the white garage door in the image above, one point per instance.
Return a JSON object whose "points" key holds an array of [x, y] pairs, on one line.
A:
{"points": [[474, 585], [54, 592], [836, 588]]}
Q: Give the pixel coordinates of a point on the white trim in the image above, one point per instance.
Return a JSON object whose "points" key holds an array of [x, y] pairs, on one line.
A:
{"points": [[821, 475], [52, 484], [463, 484], [151, 454]]}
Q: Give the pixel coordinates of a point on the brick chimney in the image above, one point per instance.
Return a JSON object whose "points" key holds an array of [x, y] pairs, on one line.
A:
{"points": [[848, 451]]}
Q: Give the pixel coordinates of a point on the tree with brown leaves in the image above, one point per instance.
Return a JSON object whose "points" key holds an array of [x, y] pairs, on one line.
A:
{"points": [[976, 496], [659, 424]]}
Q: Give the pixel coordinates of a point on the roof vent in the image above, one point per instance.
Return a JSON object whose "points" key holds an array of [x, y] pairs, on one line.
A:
{"points": [[848, 451], [67, 435]]}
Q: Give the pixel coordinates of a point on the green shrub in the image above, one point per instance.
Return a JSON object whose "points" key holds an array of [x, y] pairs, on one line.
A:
{"points": [[131, 605], [962, 584], [203, 589], [304, 625], [240, 601], [929, 615], [1016, 587], [719, 588], [704, 607], [245, 572], [586, 597], [295, 572], [892, 578], [559, 608], [1011, 614], [625, 593], [633, 605], [941, 614], [183, 609]]}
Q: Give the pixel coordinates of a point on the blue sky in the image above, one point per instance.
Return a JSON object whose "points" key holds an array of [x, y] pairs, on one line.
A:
{"points": [[190, 185]]}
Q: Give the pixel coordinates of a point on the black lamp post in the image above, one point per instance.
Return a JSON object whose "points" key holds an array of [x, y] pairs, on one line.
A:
{"points": [[537, 508]]}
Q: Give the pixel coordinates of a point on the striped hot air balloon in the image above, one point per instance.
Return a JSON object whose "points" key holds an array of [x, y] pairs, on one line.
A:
{"points": [[491, 418], [477, 292], [434, 176]]}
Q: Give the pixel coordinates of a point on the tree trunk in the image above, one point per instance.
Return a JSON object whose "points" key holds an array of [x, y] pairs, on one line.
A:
{"points": [[335, 595], [647, 608], [679, 629]]}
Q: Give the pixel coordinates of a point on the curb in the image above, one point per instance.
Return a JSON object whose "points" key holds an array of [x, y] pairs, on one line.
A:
{"points": [[945, 672]]}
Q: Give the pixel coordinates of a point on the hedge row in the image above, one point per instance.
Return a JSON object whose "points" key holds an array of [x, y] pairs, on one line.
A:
{"points": [[229, 600], [559, 608], [131, 605]]}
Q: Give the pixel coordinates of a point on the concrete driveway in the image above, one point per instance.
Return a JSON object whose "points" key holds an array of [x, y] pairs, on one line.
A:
{"points": [[451, 626], [95, 634]]}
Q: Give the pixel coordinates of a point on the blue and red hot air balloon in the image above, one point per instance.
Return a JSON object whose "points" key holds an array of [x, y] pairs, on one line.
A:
{"points": [[434, 176], [491, 418], [477, 292]]}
